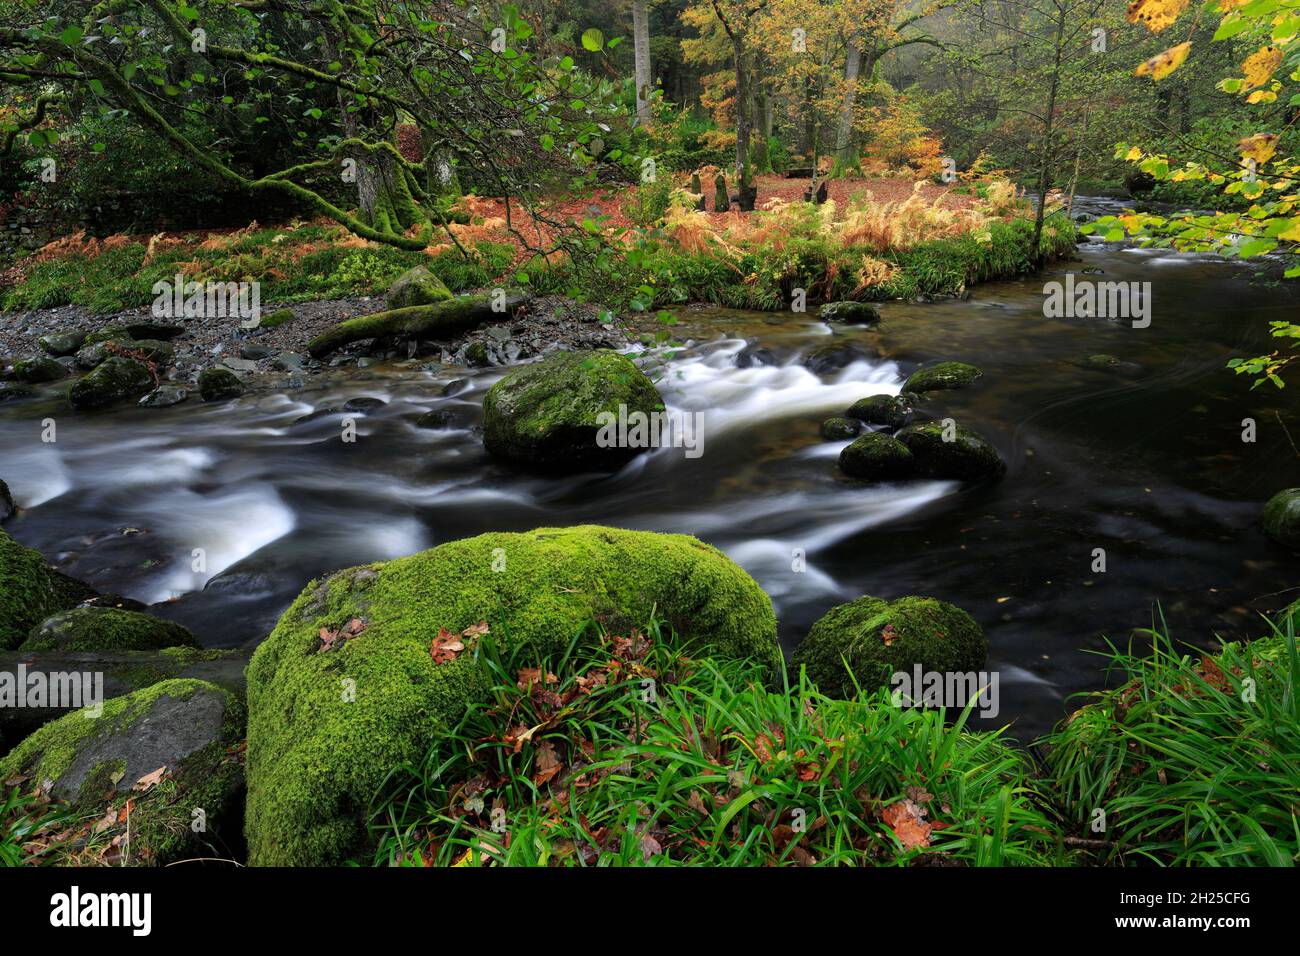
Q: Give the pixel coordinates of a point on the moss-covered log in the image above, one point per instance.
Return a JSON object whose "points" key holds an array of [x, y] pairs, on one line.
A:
{"points": [[437, 321]]}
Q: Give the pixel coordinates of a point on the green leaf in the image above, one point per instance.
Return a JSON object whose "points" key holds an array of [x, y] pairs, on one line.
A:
{"points": [[593, 40], [71, 35]]}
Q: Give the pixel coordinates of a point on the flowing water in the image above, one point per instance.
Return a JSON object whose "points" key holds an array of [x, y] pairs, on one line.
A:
{"points": [[1149, 466]]}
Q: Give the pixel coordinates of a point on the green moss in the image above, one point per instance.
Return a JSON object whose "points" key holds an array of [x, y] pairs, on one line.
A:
{"points": [[29, 591], [838, 429], [1281, 517], [37, 370], [876, 456], [218, 384], [441, 320], [417, 286], [951, 452], [925, 631], [892, 411], [545, 415], [848, 311], [114, 380], [106, 629], [315, 759], [942, 376], [279, 317]]}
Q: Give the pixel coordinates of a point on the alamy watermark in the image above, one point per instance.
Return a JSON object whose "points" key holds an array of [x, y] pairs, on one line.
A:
{"points": [[71, 690], [950, 689], [666, 429], [182, 298], [1087, 299]]}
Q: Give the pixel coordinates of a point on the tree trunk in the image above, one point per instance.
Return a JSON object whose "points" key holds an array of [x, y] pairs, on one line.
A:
{"points": [[742, 112], [641, 44], [845, 151], [1045, 165]]}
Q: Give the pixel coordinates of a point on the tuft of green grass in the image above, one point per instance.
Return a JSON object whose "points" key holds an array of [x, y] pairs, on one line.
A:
{"points": [[1189, 762], [628, 751]]}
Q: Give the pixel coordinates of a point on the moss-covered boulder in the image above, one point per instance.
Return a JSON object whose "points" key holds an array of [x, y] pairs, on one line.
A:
{"points": [[549, 415], [12, 390], [941, 376], [273, 320], [188, 728], [840, 429], [891, 411], [1281, 517], [219, 384], [60, 344], [7, 507], [849, 312], [944, 449], [106, 629], [417, 286], [833, 356], [876, 638], [115, 379], [30, 591], [876, 456], [37, 370], [326, 726]]}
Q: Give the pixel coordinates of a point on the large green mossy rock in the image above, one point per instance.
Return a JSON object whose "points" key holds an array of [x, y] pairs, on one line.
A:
{"points": [[30, 591], [1281, 517], [219, 384], [190, 727], [891, 411], [942, 376], [115, 379], [949, 451], [106, 629], [316, 758], [547, 415], [38, 370], [417, 286], [851, 639]]}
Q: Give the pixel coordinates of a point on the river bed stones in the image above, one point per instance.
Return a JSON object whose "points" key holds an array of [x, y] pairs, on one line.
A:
{"points": [[164, 396], [38, 371], [59, 344], [1281, 517], [550, 415], [878, 638]]}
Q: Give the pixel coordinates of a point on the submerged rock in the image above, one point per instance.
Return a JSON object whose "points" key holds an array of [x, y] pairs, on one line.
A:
{"points": [[838, 429], [877, 457], [218, 384], [941, 376], [7, 507], [1281, 517], [106, 629], [879, 638], [9, 390], [164, 396], [834, 356], [116, 379], [952, 452], [1109, 363], [548, 415], [188, 729], [315, 763], [853, 313], [892, 411], [754, 354]]}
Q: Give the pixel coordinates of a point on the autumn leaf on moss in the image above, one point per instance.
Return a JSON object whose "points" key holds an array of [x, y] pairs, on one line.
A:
{"points": [[1156, 15], [1259, 147], [1164, 62], [1261, 65]]}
